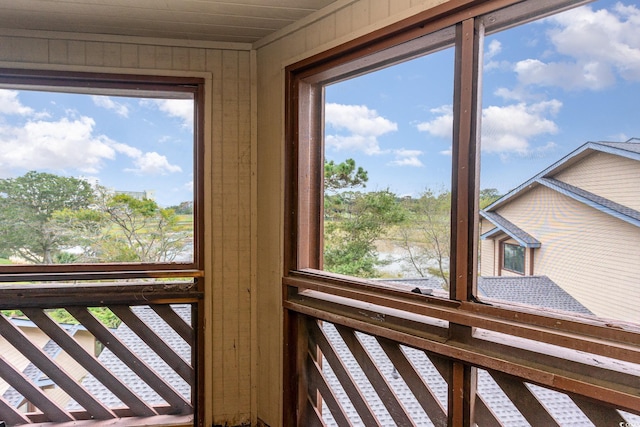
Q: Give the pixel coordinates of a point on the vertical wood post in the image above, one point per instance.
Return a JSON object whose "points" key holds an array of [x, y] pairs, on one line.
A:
{"points": [[464, 208]]}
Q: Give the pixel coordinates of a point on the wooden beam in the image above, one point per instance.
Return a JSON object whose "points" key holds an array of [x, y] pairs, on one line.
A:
{"points": [[591, 335], [48, 367], [146, 374], [157, 344], [49, 296], [33, 394], [318, 382], [420, 389], [623, 397]]}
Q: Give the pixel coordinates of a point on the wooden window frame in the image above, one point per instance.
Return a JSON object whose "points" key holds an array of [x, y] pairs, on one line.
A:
{"points": [[309, 291], [119, 84], [116, 278]]}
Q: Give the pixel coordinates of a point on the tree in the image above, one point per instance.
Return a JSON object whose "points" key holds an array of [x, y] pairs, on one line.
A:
{"points": [[426, 235], [27, 206], [354, 220], [488, 196], [350, 238], [140, 231], [184, 208], [84, 227], [343, 175]]}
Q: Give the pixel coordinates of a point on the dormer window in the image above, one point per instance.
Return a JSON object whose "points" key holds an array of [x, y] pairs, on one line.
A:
{"points": [[513, 258]]}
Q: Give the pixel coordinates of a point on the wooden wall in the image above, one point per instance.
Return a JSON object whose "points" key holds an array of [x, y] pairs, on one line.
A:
{"points": [[610, 176], [229, 173], [336, 24], [588, 253], [488, 251]]}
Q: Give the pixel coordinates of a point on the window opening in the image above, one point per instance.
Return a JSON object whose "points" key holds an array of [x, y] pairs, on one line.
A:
{"points": [[559, 155], [103, 173], [513, 258], [387, 174], [101, 188]]}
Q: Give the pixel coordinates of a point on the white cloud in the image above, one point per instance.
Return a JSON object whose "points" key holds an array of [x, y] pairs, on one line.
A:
{"points": [[406, 157], [127, 150], [511, 95], [506, 129], [362, 124], [571, 76], [600, 45], [618, 137], [447, 152], [510, 128], [492, 50], [106, 102], [152, 163], [56, 145], [178, 108], [10, 104], [70, 144], [442, 125]]}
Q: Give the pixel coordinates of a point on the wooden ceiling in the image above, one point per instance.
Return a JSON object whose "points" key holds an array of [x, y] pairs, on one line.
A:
{"points": [[242, 21]]}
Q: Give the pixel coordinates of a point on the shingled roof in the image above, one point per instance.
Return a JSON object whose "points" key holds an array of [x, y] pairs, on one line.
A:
{"points": [[32, 372], [538, 291], [607, 206], [533, 290], [560, 405], [502, 224]]}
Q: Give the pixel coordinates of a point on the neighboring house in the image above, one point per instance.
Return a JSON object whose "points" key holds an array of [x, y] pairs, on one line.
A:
{"points": [[577, 222], [49, 347]]}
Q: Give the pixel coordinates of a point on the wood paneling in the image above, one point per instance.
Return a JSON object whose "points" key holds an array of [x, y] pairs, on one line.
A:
{"points": [[243, 21], [228, 168]]}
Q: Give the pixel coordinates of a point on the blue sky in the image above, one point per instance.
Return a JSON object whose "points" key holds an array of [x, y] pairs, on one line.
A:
{"points": [[126, 144], [548, 87]]}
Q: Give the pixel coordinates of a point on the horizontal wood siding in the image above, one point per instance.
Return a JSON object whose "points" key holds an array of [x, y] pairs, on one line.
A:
{"points": [[612, 177], [591, 255], [354, 19], [488, 251], [228, 189]]}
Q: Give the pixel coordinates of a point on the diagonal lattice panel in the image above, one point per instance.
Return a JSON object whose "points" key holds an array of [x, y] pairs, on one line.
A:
{"points": [[52, 370], [83, 369], [377, 381], [91, 364], [343, 375]]}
